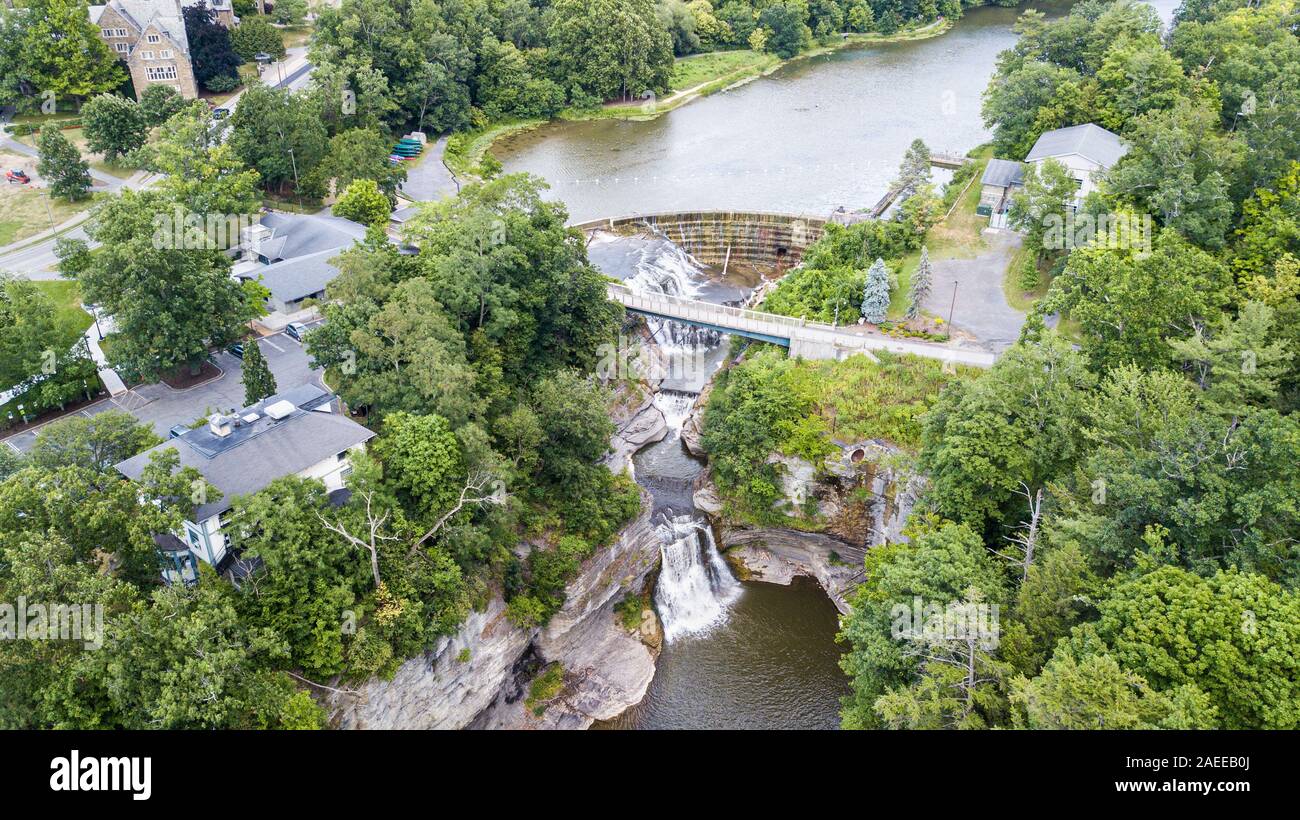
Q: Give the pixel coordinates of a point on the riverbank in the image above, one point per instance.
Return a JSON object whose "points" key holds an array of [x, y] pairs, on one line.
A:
{"points": [[465, 150]]}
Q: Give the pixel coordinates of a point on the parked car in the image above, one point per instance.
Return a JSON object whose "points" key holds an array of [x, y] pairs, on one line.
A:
{"points": [[17, 176], [296, 329], [220, 113], [177, 431], [236, 350]]}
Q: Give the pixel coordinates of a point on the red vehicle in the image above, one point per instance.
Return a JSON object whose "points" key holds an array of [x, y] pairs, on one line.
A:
{"points": [[17, 175]]}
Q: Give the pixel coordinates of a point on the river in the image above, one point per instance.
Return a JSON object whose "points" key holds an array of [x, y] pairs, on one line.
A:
{"points": [[817, 134]]}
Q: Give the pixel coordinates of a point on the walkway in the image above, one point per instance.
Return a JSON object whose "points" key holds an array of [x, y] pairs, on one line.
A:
{"points": [[811, 340]]}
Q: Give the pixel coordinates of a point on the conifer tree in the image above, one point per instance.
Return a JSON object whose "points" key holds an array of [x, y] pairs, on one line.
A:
{"points": [[258, 380], [921, 281], [875, 297]]}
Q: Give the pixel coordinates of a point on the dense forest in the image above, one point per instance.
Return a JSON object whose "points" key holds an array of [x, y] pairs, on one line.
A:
{"points": [[1122, 485]]}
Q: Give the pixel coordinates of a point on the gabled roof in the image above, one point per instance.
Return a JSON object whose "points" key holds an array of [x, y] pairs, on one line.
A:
{"points": [[259, 451], [1088, 141], [294, 279], [163, 14], [295, 235], [1003, 173]]}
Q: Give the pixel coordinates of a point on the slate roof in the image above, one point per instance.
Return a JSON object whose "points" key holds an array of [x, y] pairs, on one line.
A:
{"points": [[1088, 141], [295, 235], [255, 454], [295, 279], [141, 13], [1003, 173]]}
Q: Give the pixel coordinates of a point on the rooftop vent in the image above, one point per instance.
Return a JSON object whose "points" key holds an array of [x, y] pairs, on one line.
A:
{"points": [[250, 418], [281, 409], [219, 425]]}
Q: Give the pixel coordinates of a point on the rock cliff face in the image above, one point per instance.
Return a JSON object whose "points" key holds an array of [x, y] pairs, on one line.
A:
{"points": [[479, 676], [861, 498]]}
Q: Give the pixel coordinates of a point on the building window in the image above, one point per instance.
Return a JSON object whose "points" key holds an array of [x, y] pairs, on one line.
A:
{"points": [[165, 54], [162, 72], [148, 55], [122, 48], [152, 38], [343, 456]]}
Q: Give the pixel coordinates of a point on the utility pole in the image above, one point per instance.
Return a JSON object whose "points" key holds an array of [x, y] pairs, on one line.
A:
{"points": [[953, 306]]}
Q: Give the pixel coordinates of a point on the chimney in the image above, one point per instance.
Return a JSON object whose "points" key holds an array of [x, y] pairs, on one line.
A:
{"points": [[219, 425]]}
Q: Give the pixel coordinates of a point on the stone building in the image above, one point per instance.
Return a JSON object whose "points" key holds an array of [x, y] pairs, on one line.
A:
{"points": [[149, 37]]}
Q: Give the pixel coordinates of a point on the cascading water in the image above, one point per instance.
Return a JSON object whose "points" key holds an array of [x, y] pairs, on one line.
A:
{"points": [[695, 584]]}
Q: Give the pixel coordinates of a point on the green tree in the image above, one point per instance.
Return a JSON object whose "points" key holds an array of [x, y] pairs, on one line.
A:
{"points": [[255, 34], [216, 65], [1039, 208], [875, 294], [61, 165], [361, 153], [199, 172], [113, 125], [160, 103], [919, 289], [289, 12], [914, 171], [363, 202], [1241, 363], [280, 135], [614, 50], [95, 443], [170, 303], [63, 52], [257, 377], [786, 23]]}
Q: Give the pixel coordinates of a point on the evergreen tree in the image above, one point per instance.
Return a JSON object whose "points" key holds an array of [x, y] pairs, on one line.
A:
{"points": [[258, 380], [61, 165], [921, 281], [210, 48], [914, 170], [875, 297]]}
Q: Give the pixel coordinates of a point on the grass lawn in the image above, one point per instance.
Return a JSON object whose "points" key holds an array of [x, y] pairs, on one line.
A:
{"points": [[295, 36], [78, 138], [696, 69], [957, 236], [71, 318], [25, 211]]}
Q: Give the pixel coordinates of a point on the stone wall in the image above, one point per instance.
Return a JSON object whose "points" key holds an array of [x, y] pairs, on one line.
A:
{"points": [[752, 237]]}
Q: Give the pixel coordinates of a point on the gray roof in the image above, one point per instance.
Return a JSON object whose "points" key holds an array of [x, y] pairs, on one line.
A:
{"points": [[1088, 141], [141, 13], [295, 235], [1003, 173], [295, 279], [402, 214], [256, 453]]}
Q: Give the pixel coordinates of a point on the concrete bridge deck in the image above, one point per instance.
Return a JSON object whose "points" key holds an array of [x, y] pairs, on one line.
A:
{"points": [[811, 340]]}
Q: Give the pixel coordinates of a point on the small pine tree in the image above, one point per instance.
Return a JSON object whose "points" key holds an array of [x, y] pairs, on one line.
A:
{"points": [[875, 297], [258, 380], [921, 281], [60, 163], [1028, 279]]}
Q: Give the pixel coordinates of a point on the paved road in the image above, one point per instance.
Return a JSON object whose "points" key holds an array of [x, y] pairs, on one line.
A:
{"points": [[163, 407], [430, 180], [982, 309]]}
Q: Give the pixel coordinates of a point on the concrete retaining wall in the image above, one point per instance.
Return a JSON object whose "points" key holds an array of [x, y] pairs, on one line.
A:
{"points": [[751, 237]]}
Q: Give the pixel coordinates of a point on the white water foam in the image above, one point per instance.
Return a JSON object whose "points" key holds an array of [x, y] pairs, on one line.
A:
{"points": [[695, 586]]}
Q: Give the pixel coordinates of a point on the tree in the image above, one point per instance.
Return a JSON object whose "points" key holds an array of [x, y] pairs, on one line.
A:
{"points": [[61, 165], [211, 53], [280, 135], [614, 49], [258, 380], [289, 12], [787, 25], [170, 303], [1241, 363], [914, 171], [113, 125], [943, 562], [875, 295], [160, 103], [63, 51], [363, 202], [29, 334], [95, 443], [1019, 426], [361, 153], [919, 290], [255, 34], [199, 172], [1129, 303], [1181, 168], [1042, 203]]}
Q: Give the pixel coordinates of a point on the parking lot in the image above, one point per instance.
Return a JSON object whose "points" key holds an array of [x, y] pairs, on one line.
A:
{"points": [[162, 407]]}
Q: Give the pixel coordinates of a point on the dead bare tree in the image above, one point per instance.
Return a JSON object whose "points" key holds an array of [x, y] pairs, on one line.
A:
{"points": [[371, 544], [1026, 539], [476, 483]]}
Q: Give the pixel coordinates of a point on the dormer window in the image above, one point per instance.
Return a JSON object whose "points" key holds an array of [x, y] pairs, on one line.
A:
{"points": [[152, 38]]}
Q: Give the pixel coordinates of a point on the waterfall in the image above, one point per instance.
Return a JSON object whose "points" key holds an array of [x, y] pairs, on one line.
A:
{"points": [[695, 584], [665, 268], [676, 406]]}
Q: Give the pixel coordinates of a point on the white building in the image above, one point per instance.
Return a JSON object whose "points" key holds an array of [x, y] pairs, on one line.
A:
{"points": [[1086, 150], [298, 432]]}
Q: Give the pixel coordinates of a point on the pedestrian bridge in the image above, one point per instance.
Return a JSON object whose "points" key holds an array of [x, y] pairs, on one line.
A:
{"points": [[810, 340]]}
